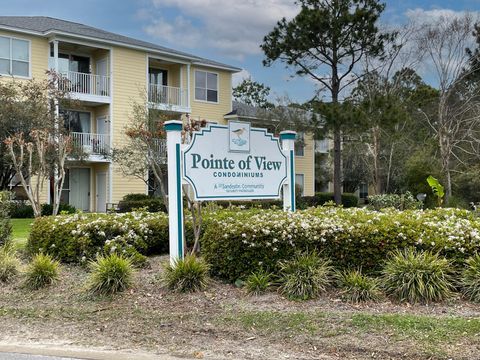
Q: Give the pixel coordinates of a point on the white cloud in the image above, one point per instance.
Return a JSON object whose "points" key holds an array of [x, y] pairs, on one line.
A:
{"points": [[235, 28], [237, 78], [427, 16]]}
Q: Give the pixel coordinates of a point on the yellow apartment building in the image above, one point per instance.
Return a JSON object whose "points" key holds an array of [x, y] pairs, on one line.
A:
{"points": [[107, 73]]}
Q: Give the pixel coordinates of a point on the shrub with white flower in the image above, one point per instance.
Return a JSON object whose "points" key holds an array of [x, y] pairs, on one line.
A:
{"points": [[79, 237], [236, 242]]}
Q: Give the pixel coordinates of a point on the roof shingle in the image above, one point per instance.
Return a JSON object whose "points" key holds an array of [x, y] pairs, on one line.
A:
{"points": [[44, 25]]}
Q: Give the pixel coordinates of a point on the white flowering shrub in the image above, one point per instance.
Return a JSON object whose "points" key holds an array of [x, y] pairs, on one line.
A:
{"points": [[80, 237], [400, 202], [236, 243]]}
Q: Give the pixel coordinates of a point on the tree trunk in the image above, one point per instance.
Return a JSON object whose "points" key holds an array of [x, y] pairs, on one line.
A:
{"points": [[376, 161], [337, 139], [390, 160], [337, 165]]}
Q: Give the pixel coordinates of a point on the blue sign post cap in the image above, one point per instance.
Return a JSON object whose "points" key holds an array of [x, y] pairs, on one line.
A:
{"points": [[288, 135], [173, 125]]}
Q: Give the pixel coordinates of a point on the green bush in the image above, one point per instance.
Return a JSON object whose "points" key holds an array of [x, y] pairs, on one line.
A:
{"points": [[136, 197], [417, 276], [132, 202], [5, 226], [47, 209], [305, 276], [357, 287], [110, 274], [22, 210], [237, 243], [41, 271], [80, 237], [348, 200], [400, 202], [470, 278], [186, 275], [258, 282], [151, 205], [259, 204], [9, 264]]}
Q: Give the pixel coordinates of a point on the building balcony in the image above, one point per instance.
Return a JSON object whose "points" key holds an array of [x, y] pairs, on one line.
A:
{"points": [[168, 98], [86, 87], [159, 149], [92, 147]]}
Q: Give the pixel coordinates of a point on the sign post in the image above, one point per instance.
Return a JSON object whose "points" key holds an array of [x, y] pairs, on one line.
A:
{"points": [[173, 129], [288, 146], [227, 162]]}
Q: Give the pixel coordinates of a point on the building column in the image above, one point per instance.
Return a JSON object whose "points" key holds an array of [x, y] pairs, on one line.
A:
{"points": [[173, 129], [288, 146]]}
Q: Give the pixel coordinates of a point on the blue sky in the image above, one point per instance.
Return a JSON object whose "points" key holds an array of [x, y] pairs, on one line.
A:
{"points": [[224, 30]]}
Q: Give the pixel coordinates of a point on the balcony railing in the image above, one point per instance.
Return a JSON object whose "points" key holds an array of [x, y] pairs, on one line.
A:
{"points": [[91, 144], [84, 83], [167, 95], [159, 149]]}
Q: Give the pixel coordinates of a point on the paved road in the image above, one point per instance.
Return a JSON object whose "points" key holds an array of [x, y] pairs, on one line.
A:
{"points": [[12, 356]]}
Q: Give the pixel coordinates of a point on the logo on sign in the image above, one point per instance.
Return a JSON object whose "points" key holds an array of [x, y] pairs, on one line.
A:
{"points": [[239, 136]]}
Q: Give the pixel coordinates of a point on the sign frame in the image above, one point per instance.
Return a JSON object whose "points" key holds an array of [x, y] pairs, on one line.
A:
{"points": [[175, 156], [208, 129]]}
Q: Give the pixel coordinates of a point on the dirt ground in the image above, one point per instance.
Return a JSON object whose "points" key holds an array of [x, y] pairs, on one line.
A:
{"points": [[226, 323]]}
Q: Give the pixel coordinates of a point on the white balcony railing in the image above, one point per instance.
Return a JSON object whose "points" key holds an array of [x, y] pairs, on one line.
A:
{"points": [[83, 83], [159, 150], [167, 95], [91, 144]]}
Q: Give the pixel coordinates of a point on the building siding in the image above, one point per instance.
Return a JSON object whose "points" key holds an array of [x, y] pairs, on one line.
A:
{"points": [[305, 165], [212, 111], [129, 84], [39, 48]]}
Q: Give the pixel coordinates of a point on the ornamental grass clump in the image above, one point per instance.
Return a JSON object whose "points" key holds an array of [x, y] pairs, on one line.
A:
{"points": [[470, 278], [259, 282], [305, 276], [357, 287], [42, 271], [187, 275], [110, 274], [417, 276], [9, 264]]}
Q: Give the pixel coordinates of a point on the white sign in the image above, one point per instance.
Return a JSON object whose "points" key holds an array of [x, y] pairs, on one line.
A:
{"points": [[234, 162]]}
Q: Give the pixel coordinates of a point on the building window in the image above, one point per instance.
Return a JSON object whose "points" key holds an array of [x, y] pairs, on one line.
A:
{"points": [[14, 57], [206, 86], [300, 144], [363, 191], [77, 121], [300, 183]]}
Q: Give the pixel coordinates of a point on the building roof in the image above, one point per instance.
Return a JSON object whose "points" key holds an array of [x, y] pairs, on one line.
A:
{"points": [[245, 111], [46, 26]]}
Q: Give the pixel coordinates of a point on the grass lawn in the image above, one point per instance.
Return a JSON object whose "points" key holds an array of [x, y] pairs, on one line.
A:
{"points": [[20, 231]]}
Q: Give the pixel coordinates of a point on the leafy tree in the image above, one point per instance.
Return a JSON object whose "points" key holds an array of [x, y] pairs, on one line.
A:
{"points": [[252, 93], [38, 150], [325, 41]]}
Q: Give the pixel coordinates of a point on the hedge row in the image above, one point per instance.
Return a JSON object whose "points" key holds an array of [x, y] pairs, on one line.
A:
{"points": [[22, 210], [237, 243], [348, 200], [78, 237], [132, 202]]}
